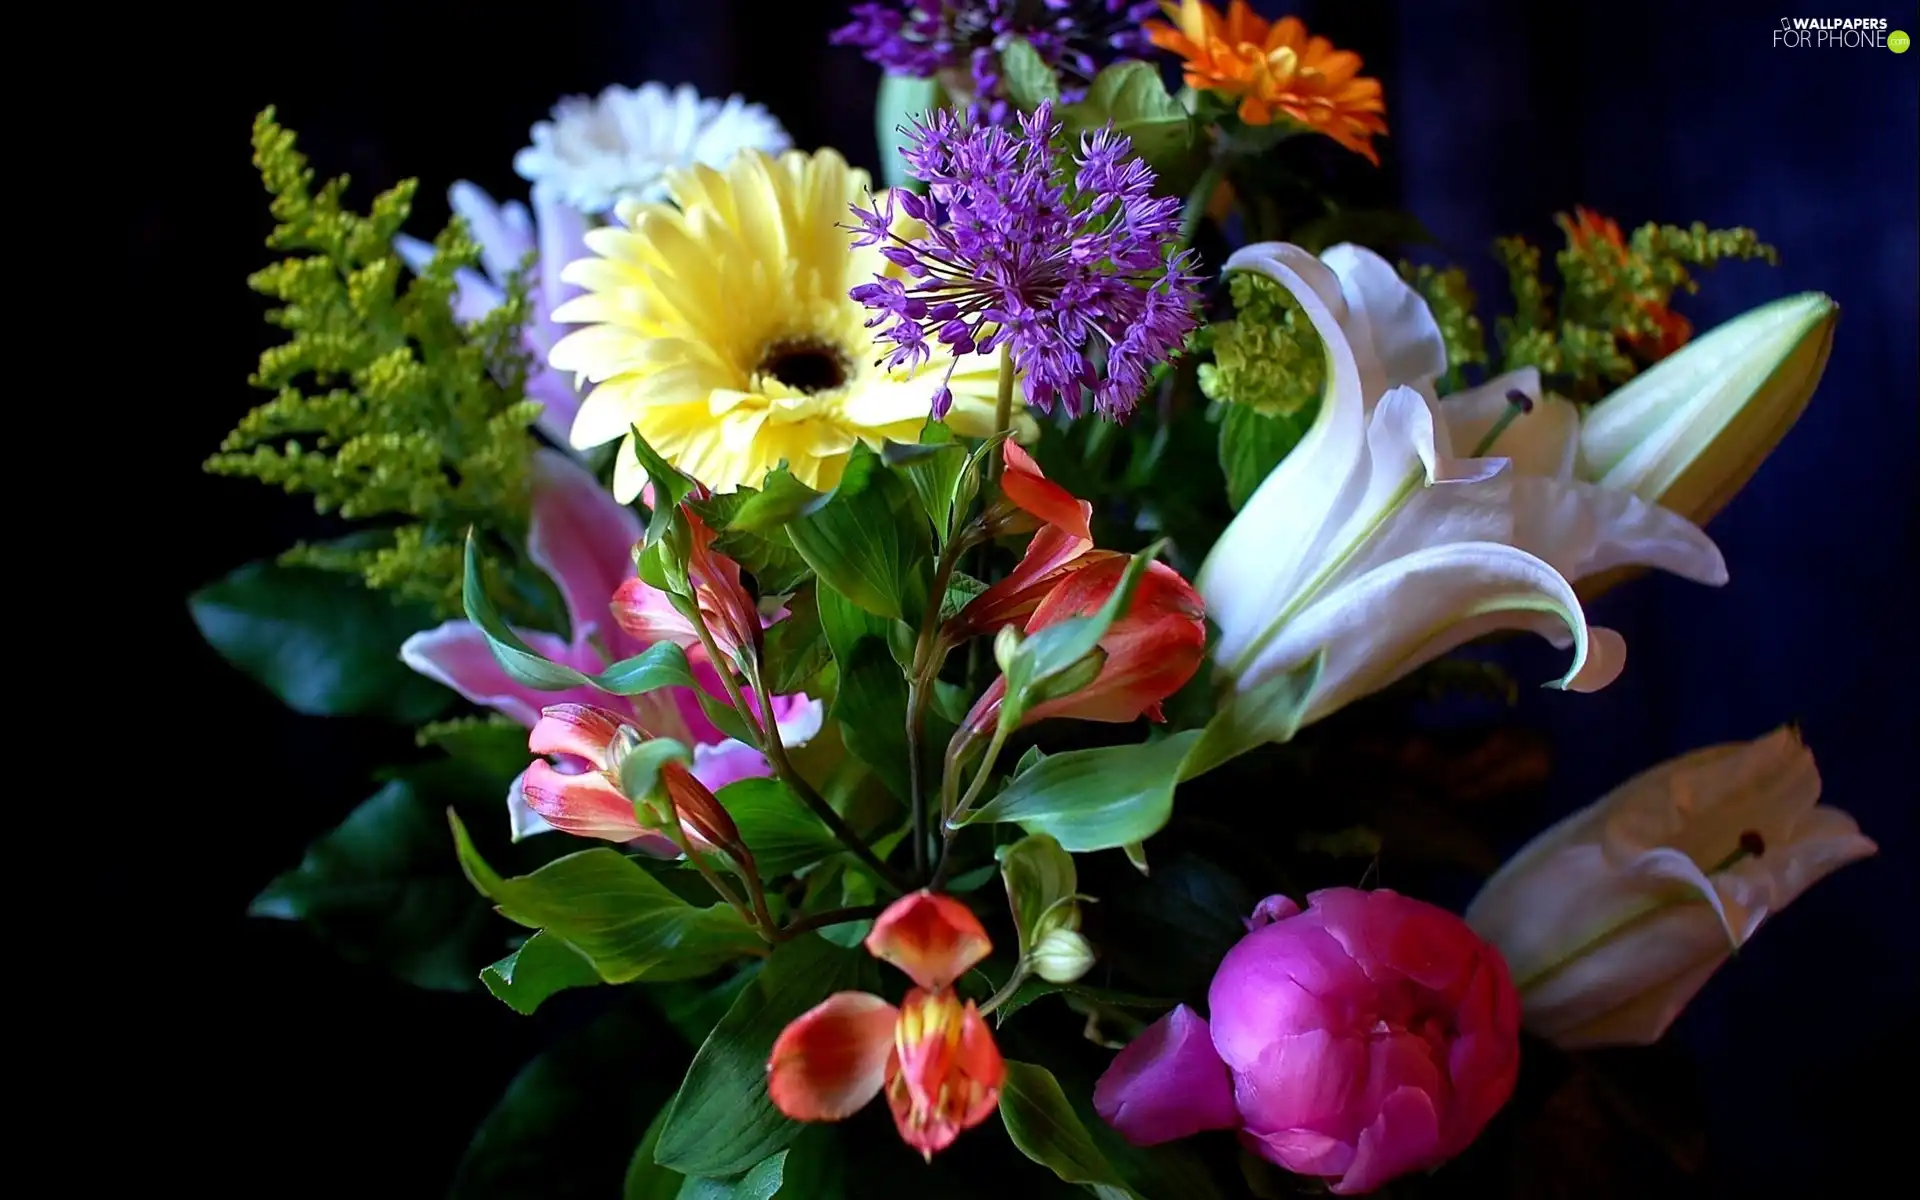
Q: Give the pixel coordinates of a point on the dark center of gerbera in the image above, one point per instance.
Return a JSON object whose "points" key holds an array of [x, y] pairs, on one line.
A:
{"points": [[805, 366]]}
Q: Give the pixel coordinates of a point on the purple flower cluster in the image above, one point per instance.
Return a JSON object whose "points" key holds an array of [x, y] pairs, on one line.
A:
{"points": [[1016, 254], [924, 38]]}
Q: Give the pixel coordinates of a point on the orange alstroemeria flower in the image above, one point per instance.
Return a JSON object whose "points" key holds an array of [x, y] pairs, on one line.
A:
{"points": [[933, 1057], [589, 803], [1274, 67], [1596, 236], [1063, 543], [1151, 650]]}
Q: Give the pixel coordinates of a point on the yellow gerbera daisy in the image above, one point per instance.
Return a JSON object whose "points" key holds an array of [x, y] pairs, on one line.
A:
{"points": [[721, 328]]}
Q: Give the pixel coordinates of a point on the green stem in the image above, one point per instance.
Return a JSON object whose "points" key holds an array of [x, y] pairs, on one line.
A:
{"points": [[776, 753], [1007, 989], [832, 916], [1002, 408], [1199, 198], [929, 654]]}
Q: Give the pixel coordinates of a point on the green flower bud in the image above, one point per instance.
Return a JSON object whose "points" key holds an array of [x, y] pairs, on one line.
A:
{"points": [[1062, 956]]}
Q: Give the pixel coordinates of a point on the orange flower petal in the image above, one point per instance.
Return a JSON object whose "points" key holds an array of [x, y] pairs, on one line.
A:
{"points": [[946, 1074], [833, 1058], [1034, 493], [932, 937]]}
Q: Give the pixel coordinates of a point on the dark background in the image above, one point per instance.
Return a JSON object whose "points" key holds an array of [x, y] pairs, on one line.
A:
{"points": [[312, 1076]]}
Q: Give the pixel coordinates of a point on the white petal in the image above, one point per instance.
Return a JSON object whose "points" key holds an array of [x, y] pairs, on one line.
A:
{"points": [[1544, 440], [523, 821], [1394, 335], [1268, 551]]}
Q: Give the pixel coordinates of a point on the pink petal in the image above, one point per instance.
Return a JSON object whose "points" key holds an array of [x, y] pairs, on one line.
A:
{"points": [[456, 654], [645, 614], [728, 762], [586, 805], [581, 730], [832, 1059], [1168, 1084], [582, 537]]}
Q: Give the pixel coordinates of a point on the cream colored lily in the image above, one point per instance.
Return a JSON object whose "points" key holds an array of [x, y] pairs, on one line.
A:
{"points": [[1612, 920], [1691, 430], [1372, 549]]}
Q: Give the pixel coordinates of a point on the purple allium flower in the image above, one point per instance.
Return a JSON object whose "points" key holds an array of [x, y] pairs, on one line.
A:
{"points": [[923, 38], [1016, 253]]}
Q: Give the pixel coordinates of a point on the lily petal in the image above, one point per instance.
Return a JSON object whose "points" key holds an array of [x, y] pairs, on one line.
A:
{"points": [[582, 537], [832, 1060], [1395, 338], [1544, 439], [934, 938], [457, 654]]}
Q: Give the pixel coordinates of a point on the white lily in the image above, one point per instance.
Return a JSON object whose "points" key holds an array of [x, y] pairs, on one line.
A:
{"points": [[1372, 549], [1692, 429], [1613, 920]]}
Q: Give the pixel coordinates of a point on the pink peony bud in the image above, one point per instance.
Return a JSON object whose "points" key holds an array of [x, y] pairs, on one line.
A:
{"points": [[1367, 1037]]}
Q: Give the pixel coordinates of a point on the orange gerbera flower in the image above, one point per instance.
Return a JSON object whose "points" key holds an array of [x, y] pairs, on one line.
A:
{"points": [[1598, 238], [1275, 66]]}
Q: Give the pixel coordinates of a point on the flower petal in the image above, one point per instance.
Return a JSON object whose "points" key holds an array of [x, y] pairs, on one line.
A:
{"points": [[1543, 440], [646, 614], [832, 1059], [1034, 493], [584, 731], [1395, 338], [457, 655], [587, 805], [1168, 1083], [1268, 552], [934, 938], [523, 821], [582, 537]]}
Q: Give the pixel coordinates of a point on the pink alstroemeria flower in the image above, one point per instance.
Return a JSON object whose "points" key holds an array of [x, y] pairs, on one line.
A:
{"points": [[583, 539]]}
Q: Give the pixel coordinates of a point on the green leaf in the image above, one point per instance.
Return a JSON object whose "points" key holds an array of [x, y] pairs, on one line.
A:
{"points": [[871, 707], [722, 1122], [768, 555], [1252, 445], [1101, 799], [759, 1183], [1271, 712], [796, 646], [933, 469], [1131, 97], [865, 544], [1038, 989], [1029, 80], [1044, 1127], [541, 966], [670, 484], [640, 767], [492, 745], [1180, 922], [783, 835], [1040, 877], [563, 1127], [615, 914], [382, 889], [320, 641], [961, 590], [693, 1008], [646, 1179], [901, 99], [660, 665]]}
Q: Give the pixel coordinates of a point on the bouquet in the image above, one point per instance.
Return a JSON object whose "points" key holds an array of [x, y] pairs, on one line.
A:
{"points": [[931, 675]]}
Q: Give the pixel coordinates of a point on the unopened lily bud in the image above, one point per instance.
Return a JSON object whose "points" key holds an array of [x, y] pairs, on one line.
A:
{"points": [[1689, 432], [1062, 956]]}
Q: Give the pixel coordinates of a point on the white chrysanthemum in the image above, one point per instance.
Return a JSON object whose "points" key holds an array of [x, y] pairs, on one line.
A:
{"points": [[596, 152]]}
